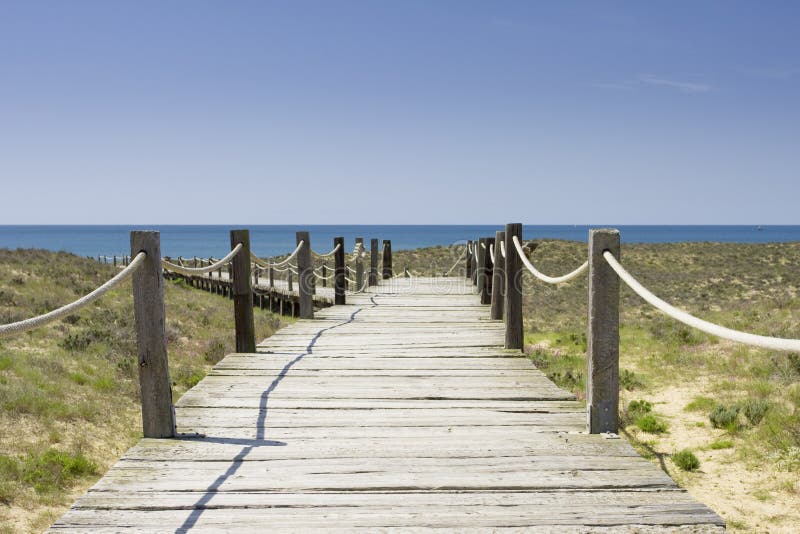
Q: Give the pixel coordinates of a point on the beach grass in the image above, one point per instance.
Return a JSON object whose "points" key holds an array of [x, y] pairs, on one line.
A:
{"points": [[69, 397]]}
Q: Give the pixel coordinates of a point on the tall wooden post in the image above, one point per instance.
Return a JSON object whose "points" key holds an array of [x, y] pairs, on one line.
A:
{"points": [[373, 262], [498, 278], [290, 280], [305, 276], [242, 293], [513, 292], [158, 415], [338, 271], [271, 276], [475, 248], [359, 263], [387, 259], [602, 376], [324, 274], [488, 270], [480, 267], [469, 258]]}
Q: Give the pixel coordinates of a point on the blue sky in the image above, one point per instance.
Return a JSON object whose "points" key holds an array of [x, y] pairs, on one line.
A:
{"points": [[399, 112]]}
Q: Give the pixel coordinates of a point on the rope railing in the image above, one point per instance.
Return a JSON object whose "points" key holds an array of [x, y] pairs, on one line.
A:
{"points": [[456, 262], [503, 248], [765, 342], [543, 277], [331, 253], [41, 320], [192, 271], [491, 253], [358, 252], [261, 263]]}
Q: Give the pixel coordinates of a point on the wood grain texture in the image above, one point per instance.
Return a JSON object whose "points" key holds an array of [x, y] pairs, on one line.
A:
{"points": [[399, 411], [158, 417]]}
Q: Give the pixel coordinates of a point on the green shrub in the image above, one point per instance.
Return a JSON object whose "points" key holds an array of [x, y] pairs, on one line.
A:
{"points": [[650, 424], [701, 404], [686, 460], [724, 416], [721, 444], [755, 410], [629, 380], [55, 469], [639, 407]]}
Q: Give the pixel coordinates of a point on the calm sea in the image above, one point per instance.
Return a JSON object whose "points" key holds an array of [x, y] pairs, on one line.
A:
{"points": [[207, 241]]}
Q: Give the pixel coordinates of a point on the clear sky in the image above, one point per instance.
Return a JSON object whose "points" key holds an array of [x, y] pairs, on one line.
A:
{"points": [[422, 112]]}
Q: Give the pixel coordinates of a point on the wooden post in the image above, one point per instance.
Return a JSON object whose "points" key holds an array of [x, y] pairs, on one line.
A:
{"points": [[305, 276], [475, 251], [498, 278], [338, 272], [324, 274], [602, 376], [488, 270], [158, 415], [480, 266], [359, 263], [255, 276], [513, 292], [271, 276], [469, 259], [387, 259], [290, 279], [242, 292], [373, 263]]}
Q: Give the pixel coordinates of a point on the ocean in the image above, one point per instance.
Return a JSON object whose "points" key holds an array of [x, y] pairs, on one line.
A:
{"points": [[204, 241]]}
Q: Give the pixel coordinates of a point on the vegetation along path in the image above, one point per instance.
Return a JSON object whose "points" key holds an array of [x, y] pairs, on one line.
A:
{"points": [[398, 410]]}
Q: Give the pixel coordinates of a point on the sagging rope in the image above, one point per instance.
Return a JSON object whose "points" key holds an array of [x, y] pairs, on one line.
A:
{"points": [[541, 276], [261, 263], [41, 320], [190, 271], [457, 262], [766, 342], [337, 247], [503, 248], [491, 253], [363, 285]]}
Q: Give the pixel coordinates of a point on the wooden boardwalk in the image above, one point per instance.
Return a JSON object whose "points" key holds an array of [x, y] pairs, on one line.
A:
{"points": [[397, 411]]}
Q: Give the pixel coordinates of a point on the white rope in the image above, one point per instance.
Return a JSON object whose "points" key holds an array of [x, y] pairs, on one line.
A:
{"points": [[323, 277], [337, 247], [350, 280], [775, 343], [503, 248], [190, 271], [543, 277], [281, 263], [457, 262], [491, 253], [41, 320], [469, 248], [363, 286], [358, 252], [279, 270]]}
